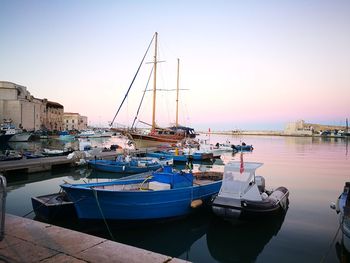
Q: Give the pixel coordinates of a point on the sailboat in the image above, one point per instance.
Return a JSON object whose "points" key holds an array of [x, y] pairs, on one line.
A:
{"points": [[158, 136]]}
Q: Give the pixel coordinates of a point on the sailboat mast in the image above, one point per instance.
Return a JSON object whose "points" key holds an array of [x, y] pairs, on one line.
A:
{"points": [[154, 82], [177, 94]]}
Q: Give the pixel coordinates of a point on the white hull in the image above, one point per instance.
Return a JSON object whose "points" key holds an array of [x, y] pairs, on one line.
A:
{"points": [[20, 137]]}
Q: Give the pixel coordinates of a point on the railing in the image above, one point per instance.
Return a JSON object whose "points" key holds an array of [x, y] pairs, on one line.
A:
{"points": [[2, 206]]}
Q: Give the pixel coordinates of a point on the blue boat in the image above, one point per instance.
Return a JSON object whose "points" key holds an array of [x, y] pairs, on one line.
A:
{"points": [[242, 148], [125, 166], [164, 194], [181, 156]]}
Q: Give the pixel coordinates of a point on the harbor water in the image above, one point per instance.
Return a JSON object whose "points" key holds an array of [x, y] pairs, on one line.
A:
{"points": [[313, 169]]}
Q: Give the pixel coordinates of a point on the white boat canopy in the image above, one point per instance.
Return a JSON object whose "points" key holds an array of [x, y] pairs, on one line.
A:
{"points": [[238, 178]]}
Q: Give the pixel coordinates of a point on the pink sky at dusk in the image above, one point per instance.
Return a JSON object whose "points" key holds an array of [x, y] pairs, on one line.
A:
{"points": [[246, 65]]}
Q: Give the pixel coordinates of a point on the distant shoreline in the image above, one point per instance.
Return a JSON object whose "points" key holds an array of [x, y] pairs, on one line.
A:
{"points": [[265, 133]]}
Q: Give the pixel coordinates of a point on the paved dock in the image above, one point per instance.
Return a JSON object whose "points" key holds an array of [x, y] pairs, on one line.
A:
{"points": [[27, 240]]}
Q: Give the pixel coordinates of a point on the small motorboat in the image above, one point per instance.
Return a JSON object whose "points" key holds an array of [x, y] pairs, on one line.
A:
{"points": [[53, 206], [56, 152], [33, 155], [342, 207], [127, 165], [10, 155], [242, 147], [243, 194]]}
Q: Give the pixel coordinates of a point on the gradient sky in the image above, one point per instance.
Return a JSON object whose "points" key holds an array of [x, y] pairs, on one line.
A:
{"points": [[244, 64]]}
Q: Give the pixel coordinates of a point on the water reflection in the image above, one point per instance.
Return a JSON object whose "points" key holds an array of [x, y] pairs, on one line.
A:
{"points": [[243, 241], [173, 237]]}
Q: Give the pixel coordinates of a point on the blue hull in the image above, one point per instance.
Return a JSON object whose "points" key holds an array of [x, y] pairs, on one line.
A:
{"points": [[101, 203], [242, 148], [181, 158], [121, 167]]}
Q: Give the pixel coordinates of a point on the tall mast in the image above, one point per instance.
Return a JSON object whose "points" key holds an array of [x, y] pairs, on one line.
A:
{"points": [[154, 82], [177, 93]]}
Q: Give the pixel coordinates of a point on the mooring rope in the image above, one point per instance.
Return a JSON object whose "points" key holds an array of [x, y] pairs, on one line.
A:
{"points": [[103, 217]]}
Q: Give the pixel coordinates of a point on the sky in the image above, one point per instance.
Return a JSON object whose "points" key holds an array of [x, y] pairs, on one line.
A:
{"points": [[250, 65]]}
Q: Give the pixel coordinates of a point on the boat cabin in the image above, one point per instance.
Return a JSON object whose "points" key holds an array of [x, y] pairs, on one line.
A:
{"points": [[239, 181]]}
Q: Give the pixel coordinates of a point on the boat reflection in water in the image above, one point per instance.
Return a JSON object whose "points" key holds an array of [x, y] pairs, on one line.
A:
{"points": [[242, 241], [168, 237]]}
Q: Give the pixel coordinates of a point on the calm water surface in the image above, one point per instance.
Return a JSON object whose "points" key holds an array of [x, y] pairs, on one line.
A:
{"points": [[313, 169]]}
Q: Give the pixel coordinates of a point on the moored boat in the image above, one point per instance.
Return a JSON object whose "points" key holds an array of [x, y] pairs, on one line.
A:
{"points": [[243, 194], [21, 137], [126, 165], [242, 147], [342, 207], [181, 156], [56, 152], [164, 194], [53, 206]]}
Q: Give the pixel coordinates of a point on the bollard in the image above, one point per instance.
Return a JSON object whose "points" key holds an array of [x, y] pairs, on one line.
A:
{"points": [[2, 206]]}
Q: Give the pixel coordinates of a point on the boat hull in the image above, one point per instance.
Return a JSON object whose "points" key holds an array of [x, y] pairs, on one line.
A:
{"points": [[182, 157], [53, 207], [127, 168], [21, 137], [237, 209], [144, 141], [137, 205]]}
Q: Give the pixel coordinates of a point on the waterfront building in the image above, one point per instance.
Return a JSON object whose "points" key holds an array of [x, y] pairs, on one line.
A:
{"points": [[302, 128], [18, 105], [74, 121], [26, 111], [54, 116]]}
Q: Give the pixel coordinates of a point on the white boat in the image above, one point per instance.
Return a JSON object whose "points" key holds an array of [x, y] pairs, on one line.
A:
{"points": [[243, 194], [21, 137], [7, 130], [86, 134]]}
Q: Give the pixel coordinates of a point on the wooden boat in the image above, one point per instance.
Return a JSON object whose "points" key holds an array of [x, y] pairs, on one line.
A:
{"points": [[157, 136], [164, 194], [126, 166], [53, 206], [243, 194]]}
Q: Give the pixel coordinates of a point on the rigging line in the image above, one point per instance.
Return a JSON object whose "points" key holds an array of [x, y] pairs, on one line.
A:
{"points": [[143, 95], [132, 82]]}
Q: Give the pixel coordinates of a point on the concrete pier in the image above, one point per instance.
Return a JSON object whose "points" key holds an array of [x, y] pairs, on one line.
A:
{"points": [[27, 240]]}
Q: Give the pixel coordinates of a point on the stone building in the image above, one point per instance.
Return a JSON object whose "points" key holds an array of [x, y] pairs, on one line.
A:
{"points": [[54, 116], [74, 121], [26, 111], [300, 127], [17, 104]]}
